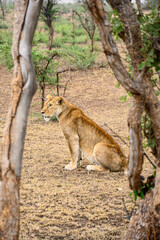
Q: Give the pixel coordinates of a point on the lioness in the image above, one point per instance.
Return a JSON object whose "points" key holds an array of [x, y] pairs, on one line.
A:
{"points": [[84, 137]]}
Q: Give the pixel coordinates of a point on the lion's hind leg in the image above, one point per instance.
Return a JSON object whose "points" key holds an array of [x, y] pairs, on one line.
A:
{"points": [[106, 158]]}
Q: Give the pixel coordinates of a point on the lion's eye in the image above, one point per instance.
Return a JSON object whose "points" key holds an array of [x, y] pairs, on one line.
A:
{"points": [[49, 105]]}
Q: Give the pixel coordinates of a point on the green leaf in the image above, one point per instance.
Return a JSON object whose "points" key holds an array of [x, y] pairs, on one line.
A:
{"points": [[141, 65], [148, 63], [117, 85], [135, 195], [142, 194], [123, 98], [151, 52], [154, 174], [130, 94], [151, 59]]}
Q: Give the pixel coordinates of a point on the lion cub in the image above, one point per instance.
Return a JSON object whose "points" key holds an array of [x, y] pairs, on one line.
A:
{"points": [[84, 137]]}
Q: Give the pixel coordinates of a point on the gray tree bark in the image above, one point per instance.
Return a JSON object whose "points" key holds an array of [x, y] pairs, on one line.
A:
{"points": [[24, 85]]}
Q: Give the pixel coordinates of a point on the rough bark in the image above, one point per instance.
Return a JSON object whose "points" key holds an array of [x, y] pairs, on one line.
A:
{"points": [[144, 97], [23, 88], [135, 86], [134, 44], [136, 149], [156, 196], [132, 31], [139, 6], [140, 83], [145, 224]]}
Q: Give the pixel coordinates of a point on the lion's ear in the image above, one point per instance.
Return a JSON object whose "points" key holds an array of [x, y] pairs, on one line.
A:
{"points": [[49, 97], [60, 100]]}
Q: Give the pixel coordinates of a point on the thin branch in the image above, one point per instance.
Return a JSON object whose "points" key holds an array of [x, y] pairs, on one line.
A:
{"points": [[128, 214], [57, 75], [149, 160], [116, 135], [145, 154], [157, 86]]}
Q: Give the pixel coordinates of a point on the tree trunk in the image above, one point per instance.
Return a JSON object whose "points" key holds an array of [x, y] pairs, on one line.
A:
{"points": [[2, 9], [73, 24], [24, 86], [136, 149], [138, 2], [145, 224], [92, 45], [50, 36], [43, 86], [135, 87], [144, 97]]}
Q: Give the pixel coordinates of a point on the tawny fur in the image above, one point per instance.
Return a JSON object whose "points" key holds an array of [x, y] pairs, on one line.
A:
{"points": [[84, 137]]}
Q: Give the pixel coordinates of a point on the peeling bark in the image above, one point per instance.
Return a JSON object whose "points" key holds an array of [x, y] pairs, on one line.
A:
{"points": [[23, 88]]}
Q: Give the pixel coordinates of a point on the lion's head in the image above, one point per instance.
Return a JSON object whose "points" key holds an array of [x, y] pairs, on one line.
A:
{"points": [[52, 107]]}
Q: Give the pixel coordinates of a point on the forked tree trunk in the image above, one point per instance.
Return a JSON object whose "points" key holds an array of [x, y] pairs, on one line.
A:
{"points": [[24, 86], [144, 97]]}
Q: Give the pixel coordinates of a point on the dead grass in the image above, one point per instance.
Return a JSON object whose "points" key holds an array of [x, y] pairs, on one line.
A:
{"points": [[60, 204]]}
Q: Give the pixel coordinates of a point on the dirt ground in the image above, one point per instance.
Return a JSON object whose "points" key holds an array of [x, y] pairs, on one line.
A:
{"points": [[60, 204]]}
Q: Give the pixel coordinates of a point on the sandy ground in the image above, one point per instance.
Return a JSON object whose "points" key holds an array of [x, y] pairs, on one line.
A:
{"points": [[60, 204]]}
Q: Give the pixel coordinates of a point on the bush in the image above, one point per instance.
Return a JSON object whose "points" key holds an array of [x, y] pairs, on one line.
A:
{"points": [[40, 38], [3, 25], [80, 57], [5, 49]]}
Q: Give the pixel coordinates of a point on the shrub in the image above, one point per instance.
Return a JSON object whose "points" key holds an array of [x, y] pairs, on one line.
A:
{"points": [[80, 57], [5, 49]]}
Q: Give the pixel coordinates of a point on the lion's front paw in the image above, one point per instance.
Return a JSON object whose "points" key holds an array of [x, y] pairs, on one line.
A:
{"points": [[70, 166], [90, 167]]}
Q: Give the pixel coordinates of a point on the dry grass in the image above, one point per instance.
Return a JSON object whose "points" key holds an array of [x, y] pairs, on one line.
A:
{"points": [[60, 204]]}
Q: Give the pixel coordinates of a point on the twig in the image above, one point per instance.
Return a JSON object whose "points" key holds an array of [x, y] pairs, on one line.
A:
{"points": [[145, 154], [117, 135], [149, 160], [63, 71], [128, 214], [65, 87], [157, 86]]}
